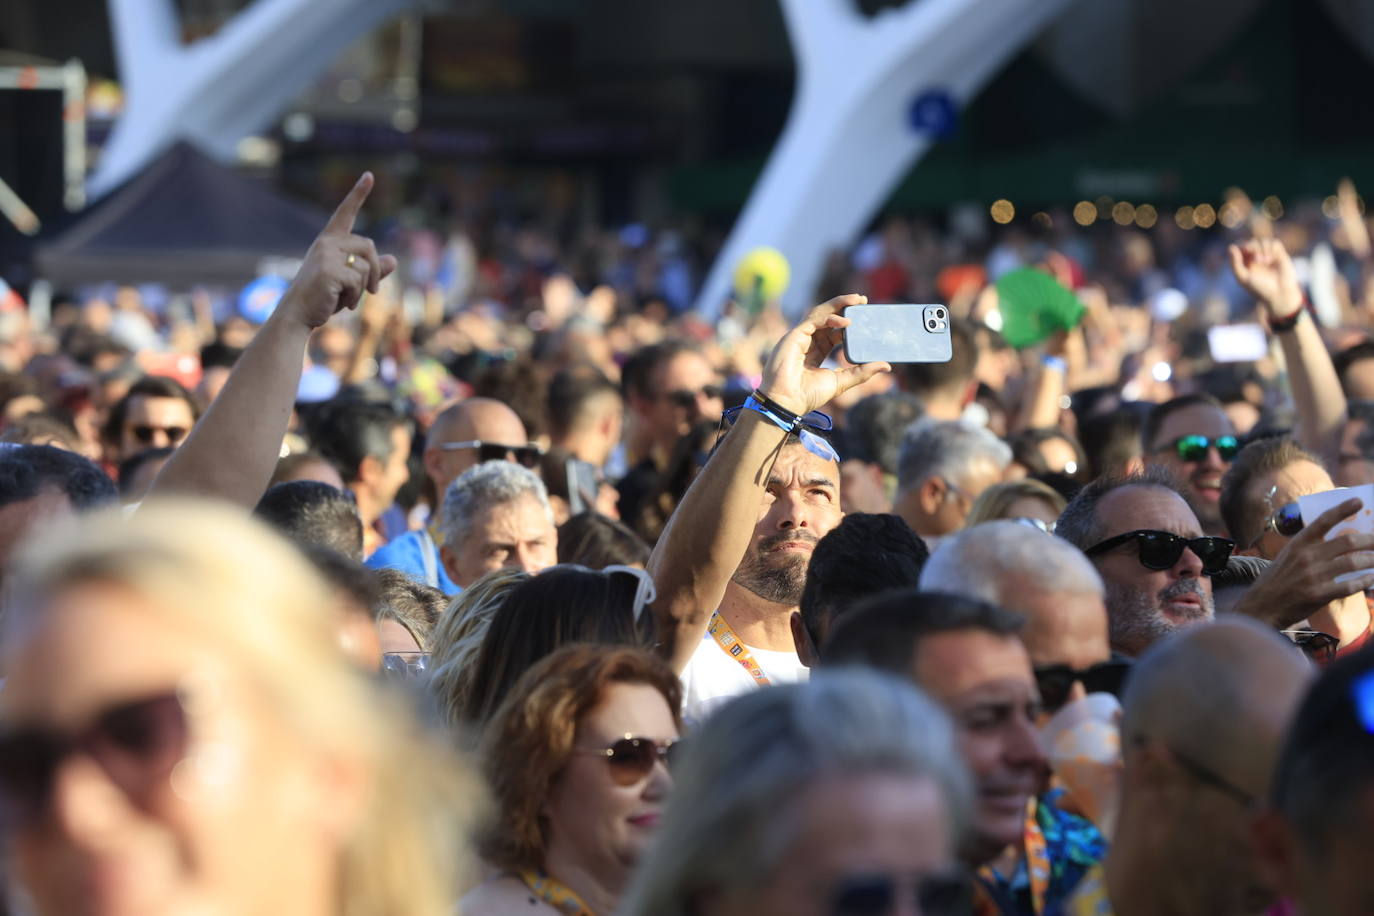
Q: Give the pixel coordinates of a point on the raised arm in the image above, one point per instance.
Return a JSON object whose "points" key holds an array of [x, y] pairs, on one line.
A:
{"points": [[709, 533], [1263, 267], [232, 451]]}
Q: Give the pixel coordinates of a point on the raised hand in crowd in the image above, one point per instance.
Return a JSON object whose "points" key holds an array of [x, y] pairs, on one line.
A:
{"points": [[231, 452]]}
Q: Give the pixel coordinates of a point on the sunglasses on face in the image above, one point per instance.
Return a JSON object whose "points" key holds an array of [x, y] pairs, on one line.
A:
{"points": [[880, 895], [524, 455], [136, 744], [1194, 448], [1159, 550], [1316, 645], [631, 758], [145, 434], [687, 399], [1056, 681]]}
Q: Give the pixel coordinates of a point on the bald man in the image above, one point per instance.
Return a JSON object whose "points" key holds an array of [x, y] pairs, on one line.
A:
{"points": [[1205, 714], [461, 437]]}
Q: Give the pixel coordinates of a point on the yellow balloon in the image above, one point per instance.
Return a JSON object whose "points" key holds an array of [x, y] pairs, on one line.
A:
{"points": [[764, 270]]}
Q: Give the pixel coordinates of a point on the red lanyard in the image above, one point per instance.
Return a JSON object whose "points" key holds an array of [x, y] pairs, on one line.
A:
{"points": [[725, 637]]}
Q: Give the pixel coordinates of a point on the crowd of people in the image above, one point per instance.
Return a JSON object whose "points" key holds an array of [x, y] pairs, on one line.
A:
{"points": [[558, 599]]}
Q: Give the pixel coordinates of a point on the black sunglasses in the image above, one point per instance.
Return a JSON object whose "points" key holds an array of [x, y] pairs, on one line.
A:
{"points": [[876, 894], [687, 399], [1056, 681], [136, 744], [145, 434], [1316, 645], [632, 758], [1194, 448], [524, 455], [1161, 549]]}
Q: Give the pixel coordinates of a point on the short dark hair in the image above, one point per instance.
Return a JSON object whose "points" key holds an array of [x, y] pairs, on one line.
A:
{"points": [[1349, 357], [347, 432], [885, 631], [927, 379], [1154, 420], [1327, 759], [310, 512], [129, 467], [408, 601], [595, 541], [1244, 517], [1112, 440], [865, 554], [637, 375], [1079, 525], [571, 395], [344, 575], [517, 383], [557, 607], [874, 426], [1025, 450], [149, 386], [28, 470], [218, 355]]}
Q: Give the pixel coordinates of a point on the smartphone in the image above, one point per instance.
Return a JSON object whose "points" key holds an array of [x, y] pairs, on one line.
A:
{"points": [[1237, 343], [897, 334]]}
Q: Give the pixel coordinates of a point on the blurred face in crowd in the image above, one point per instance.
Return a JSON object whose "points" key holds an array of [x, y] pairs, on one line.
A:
{"points": [[940, 506], [1145, 605], [187, 793], [985, 682], [320, 470], [1353, 468], [1201, 477], [382, 478], [852, 835], [685, 390], [518, 534], [602, 815], [1062, 627], [801, 506], [153, 422], [1033, 507], [478, 420], [1299, 478]]}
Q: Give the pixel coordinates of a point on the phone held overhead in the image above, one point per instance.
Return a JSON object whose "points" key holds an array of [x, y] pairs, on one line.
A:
{"points": [[903, 333]]}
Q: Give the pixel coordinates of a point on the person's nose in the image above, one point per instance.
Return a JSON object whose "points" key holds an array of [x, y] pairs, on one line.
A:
{"points": [[708, 406], [660, 782], [1189, 565], [84, 805], [528, 559], [1023, 745], [1213, 461], [790, 509]]}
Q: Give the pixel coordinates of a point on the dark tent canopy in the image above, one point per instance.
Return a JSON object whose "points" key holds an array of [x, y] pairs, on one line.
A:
{"points": [[184, 221]]}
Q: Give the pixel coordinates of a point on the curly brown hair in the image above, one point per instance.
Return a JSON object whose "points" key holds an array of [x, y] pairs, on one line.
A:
{"points": [[531, 737]]}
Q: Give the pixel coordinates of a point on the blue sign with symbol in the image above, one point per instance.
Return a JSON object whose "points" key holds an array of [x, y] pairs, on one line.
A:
{"points": [[933, 113], [259, 298]]}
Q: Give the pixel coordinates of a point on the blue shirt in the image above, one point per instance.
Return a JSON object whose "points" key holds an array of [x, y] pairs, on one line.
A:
{"points": [[415, 554]]}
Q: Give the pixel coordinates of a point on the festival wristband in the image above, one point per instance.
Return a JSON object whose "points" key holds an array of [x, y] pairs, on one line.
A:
{"points": [[1284, 325], [1054, 362], [780, 416]]}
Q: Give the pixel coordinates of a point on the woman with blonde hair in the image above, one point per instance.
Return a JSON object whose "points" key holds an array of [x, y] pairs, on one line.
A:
{"points": [[1018, 499], [457, 638], [180, 733]]}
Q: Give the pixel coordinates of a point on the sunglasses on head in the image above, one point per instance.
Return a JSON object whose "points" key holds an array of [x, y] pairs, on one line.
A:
{"points": [[815, 420], [1316, 645], [1194, 448], [687, 399], [881, 894], [145, 434], [631, 758], [1160, 550], [1056, 681], [524, 455], [137, 745]]}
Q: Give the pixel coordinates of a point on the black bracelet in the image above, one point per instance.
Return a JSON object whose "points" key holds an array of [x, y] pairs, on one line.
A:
{"points": [[792, 418], [1284, 325]]}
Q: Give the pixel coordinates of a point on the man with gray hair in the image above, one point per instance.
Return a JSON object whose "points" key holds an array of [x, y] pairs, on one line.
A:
{"points": [[496, 515], [942, 467], [1205, 714], [1051, 584]]}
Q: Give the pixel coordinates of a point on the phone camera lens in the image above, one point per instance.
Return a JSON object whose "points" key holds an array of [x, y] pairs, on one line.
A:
{"points": [[931, 324], [940, 313]]}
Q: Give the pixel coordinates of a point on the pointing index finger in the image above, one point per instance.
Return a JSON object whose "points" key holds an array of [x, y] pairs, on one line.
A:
{"points": [[347, 212]]}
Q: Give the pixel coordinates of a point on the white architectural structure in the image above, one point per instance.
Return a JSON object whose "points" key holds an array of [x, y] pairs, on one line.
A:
{"points": [[849, 137]]}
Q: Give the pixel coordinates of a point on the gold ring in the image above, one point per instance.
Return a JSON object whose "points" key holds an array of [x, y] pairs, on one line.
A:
{"points": [[351, 259]]}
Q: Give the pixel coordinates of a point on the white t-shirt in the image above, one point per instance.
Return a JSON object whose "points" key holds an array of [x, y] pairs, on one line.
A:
{"points": [[714, 676]]}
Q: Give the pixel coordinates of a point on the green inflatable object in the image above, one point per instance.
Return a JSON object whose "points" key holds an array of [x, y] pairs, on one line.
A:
{"points": [[1035, 306]]}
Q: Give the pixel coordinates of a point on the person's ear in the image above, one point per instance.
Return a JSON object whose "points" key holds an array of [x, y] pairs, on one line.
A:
{"points": [[1276, 852], [371, 469], [450, 561], [431, 458], [931, 494], [806, 646]]}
